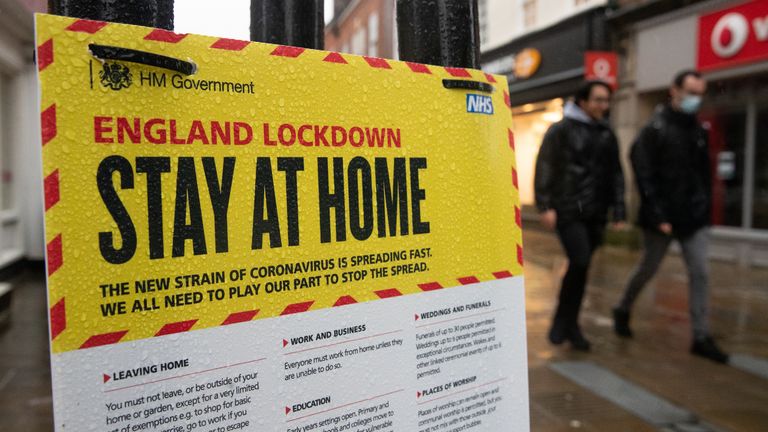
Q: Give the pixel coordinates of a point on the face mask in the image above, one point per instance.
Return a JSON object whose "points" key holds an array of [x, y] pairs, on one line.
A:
{"points": [[690, 104]]}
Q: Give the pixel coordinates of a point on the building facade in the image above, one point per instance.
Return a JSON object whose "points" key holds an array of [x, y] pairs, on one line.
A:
{"points": [[540, 47], [21, 213], [363, 28], [502, 21], [728, 42]]}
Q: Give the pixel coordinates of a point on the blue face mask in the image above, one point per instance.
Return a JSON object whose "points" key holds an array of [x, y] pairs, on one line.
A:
{"points": [[690, 104]]}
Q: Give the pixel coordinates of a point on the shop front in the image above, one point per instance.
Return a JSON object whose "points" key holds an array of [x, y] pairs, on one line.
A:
{"points": [[728, 43], [544, 69]]}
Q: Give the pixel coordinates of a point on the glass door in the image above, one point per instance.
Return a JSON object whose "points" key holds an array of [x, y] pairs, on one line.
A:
{"points": [[760, 193], [727, 127]]}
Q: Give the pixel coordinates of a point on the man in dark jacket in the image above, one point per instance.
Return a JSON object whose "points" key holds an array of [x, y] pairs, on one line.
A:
{"points": [[671, 163], [578, 179]]}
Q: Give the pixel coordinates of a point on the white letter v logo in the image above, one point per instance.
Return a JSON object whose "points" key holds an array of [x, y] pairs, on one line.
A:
{"points": [[761, 28]]}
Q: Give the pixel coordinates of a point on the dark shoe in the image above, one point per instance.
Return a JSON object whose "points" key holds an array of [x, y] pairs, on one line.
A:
{"points": [[621, 323], [706, 347], [577, 340], [557, 332]]}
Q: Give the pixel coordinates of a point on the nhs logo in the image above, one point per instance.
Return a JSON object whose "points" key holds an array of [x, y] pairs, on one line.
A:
{"points": [[479, 104]]}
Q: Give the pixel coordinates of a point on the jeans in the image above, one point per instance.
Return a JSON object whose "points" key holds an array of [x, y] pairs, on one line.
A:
{"points": [[695, 254], [579, 239]]}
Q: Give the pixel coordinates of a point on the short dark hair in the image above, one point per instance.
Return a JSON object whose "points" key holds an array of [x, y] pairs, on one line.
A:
{"points": [[683, 74], [585, 90]]}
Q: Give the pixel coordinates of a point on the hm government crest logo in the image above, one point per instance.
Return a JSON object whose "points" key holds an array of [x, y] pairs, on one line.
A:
{"points": [[115, 76]]}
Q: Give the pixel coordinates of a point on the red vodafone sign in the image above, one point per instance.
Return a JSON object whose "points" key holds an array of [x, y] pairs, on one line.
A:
{"points": [[603, 66], [733, 36]]}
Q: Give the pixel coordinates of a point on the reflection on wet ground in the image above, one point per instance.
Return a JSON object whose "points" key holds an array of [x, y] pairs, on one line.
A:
{"points": [[657, 359]]}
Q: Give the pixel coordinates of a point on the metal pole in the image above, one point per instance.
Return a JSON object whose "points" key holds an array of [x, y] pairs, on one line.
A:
{"points": [[298, 23], [76, 9], [165, 14], [418, 32], [440, 32], [459, 33], [150, 13]]}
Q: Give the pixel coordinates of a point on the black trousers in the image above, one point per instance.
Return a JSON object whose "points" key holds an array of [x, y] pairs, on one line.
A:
{"points": [[580, 239]]}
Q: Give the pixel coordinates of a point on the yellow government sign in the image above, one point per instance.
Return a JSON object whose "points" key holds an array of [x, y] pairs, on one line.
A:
{"points": [[263, 180]]}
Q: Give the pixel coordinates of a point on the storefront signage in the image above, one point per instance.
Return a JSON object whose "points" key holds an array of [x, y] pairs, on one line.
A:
{"points": [[276, 238], [603, 66], [733, 36], [519, 66], [527, 62]]}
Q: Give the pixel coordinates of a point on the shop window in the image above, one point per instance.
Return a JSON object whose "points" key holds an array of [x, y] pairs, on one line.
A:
{"points": [[760, 197], [358, 42], [531, 122], [373, 35], [482, 14], [5, 166], [529, 13], [726, 151], [394, 54]]}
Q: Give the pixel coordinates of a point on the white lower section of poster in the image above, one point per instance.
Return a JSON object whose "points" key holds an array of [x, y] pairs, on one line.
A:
{"points": [[449, 360]]}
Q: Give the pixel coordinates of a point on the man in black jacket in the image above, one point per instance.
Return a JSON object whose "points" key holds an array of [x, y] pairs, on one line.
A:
{"points": [[671, 163], [578, 179]]}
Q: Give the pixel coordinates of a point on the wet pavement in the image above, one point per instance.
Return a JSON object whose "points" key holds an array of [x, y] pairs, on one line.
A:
{"points": [[655, 364], [720, 398], [25, 375]]}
